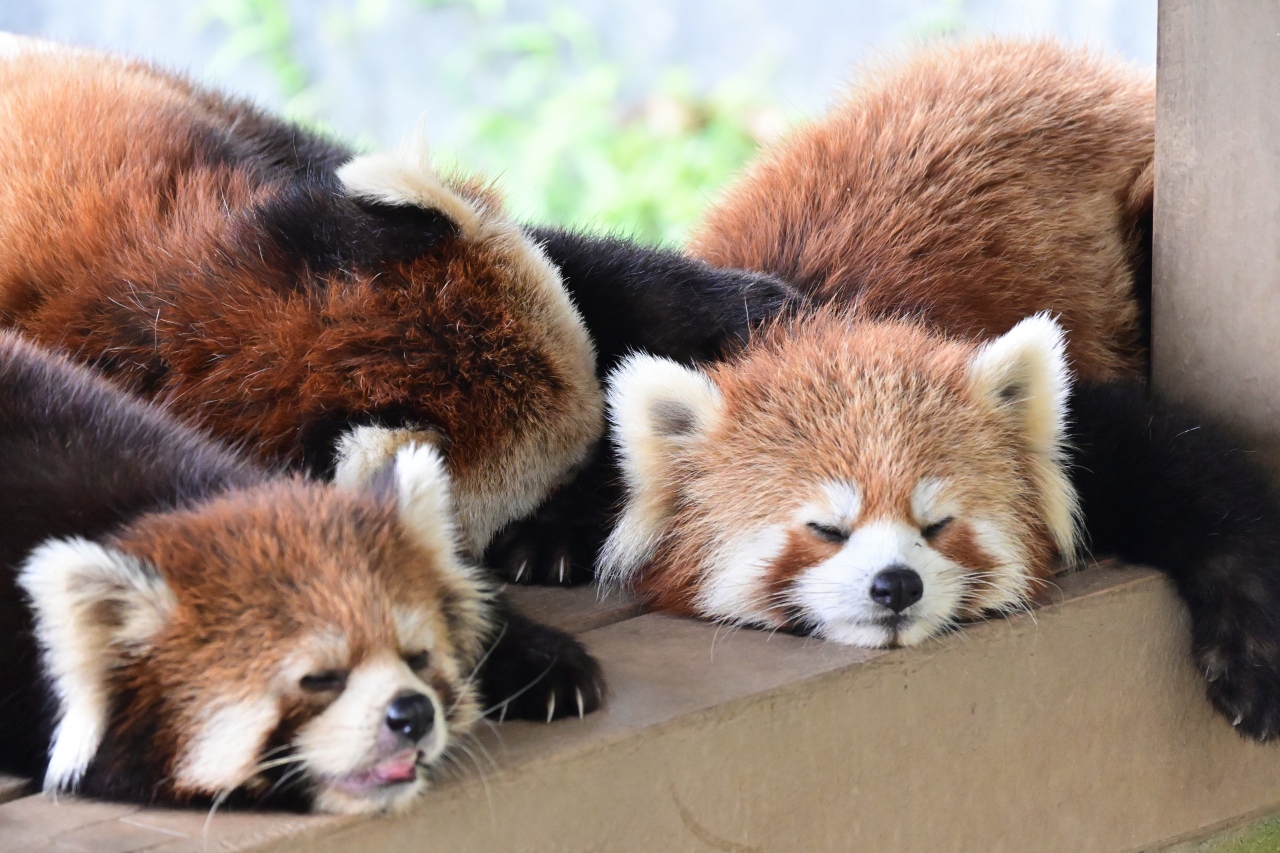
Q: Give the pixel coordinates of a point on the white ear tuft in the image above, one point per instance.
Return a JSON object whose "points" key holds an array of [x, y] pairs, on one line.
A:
{"points": [[407, 178], [422, 493], [364, 451], [426, 510], [658, 409], [1025, 370], [91, 606]]}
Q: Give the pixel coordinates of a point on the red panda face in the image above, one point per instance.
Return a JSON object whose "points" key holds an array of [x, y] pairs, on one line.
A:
{"points": [[869, 483], [293, 640]]}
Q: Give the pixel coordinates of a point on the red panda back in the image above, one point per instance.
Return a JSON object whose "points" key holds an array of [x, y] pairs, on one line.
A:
{"points": [[203, 254], [970, 187]]}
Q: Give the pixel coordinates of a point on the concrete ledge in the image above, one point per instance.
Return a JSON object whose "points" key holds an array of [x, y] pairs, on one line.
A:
{"points": [[1083, 728]]}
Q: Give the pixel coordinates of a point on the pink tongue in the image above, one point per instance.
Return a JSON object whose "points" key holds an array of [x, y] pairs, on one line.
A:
{"points": [[398, 768]]}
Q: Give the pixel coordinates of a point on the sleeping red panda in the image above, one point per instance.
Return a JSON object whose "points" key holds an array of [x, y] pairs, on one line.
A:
{"points": [[177, 625], [911, 453], [270, 286]]}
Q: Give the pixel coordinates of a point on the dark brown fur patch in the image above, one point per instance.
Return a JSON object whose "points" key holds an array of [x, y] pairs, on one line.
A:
{"points": [[802, 551]]}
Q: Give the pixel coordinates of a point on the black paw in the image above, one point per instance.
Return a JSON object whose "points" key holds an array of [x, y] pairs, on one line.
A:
{"points": [[557, 545], [536, 672], [1243, 683], [545, 552]]}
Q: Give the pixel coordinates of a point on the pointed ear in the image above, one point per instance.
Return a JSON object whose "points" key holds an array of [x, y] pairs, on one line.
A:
{"points": [[426, 511], [364, 452], [423, 498], [1024, 372], [659, 410], [406, 181], [92, 607]]}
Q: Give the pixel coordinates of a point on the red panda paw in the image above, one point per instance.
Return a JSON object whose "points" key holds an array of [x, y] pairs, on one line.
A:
{"points": [[1243, 683], [536, 672], [557, 545]]}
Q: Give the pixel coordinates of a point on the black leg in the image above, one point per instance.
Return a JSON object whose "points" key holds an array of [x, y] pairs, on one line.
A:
{"points": [[558, 544], [536, 672]]}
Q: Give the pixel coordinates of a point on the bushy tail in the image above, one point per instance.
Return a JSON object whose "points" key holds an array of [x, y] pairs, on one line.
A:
{"points": [[1162, 488]]}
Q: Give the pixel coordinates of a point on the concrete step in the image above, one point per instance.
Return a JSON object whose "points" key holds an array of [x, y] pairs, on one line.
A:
{"points": [[1080, 727]]}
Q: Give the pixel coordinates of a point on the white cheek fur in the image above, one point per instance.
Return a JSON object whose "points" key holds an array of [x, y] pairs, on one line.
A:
{"points": [[735, 582], [225, 749]]}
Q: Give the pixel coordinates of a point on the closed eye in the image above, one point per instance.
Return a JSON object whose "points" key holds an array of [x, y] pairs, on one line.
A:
{"points": [[931, 530], [418, 661], [329, 681], [827, 532]]}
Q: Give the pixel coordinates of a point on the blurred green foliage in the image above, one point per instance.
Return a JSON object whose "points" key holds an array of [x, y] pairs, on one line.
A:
{"points": [[557, 132]]}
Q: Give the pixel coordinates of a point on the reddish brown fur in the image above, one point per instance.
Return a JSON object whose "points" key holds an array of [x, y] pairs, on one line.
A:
{"points": [[802, 551], [970, 187], [127, 238]]}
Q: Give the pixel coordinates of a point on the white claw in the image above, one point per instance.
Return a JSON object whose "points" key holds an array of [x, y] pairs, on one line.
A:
{"points": [[524, 564], [578, 695], [563, 565], [1238, 720], [502, 713], [551, 707]]}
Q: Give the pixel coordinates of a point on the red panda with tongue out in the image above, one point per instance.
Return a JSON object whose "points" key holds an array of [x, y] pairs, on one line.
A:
{"points": [[180, 626]]}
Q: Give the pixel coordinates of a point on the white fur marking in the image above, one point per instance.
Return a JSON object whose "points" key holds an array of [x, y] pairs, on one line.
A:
{"points": [[735, 577], [645, 393], [67, 579], [929, 503], [838, 506], [407, 178], [1030, 361], [425, 503], [345, 737], [835, 594], [227, 745], [363, 451]]}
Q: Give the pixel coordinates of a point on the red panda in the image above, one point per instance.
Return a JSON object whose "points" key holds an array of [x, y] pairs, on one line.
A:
{"points": [[866, 482], [274, 288], [974, 226], [178, 625], [970, 187]]}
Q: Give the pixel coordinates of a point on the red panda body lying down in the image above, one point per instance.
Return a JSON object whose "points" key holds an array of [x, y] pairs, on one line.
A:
{"points": [[969, 188], [274, 288], [911, 452], [178, 625]]}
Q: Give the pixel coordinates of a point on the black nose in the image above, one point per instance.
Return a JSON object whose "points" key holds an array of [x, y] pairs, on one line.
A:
{"points": [[897, 588], [411, 715]]}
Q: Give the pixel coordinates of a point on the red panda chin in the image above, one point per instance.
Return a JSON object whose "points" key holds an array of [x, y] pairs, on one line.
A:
{"points": [[868, 483]]}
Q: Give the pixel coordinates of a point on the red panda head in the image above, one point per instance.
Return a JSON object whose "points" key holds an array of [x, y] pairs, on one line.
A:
{"points": [[291, 640], [868, 482]]}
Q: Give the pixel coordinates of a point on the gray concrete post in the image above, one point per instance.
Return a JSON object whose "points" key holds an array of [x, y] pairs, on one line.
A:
{"points": [[1216, 300]]}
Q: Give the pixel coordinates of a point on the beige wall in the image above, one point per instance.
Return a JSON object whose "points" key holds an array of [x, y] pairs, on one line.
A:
{"points": [[1216, 311]]}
